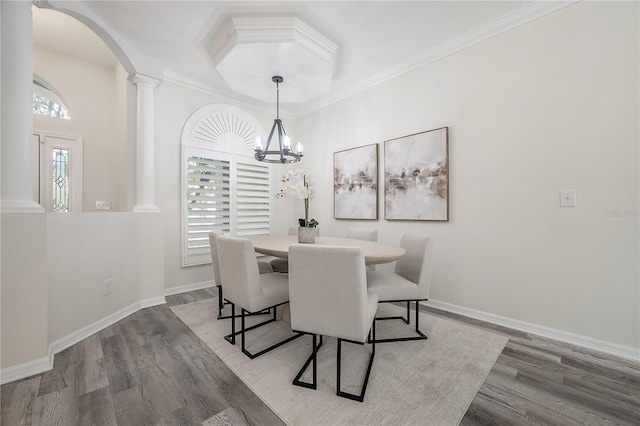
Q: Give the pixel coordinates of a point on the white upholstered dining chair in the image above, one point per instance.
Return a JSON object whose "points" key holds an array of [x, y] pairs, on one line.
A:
{"points": [[249, 290], [282, 265], [409, 282], [263, 266], [328, 297], [364, 234]]}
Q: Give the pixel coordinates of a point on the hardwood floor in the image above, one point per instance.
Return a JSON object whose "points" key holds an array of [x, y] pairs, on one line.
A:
{"points": [[150, 368], [541, 381], [147, 369]]}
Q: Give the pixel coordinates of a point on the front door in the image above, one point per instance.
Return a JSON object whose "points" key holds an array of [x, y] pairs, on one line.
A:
{"points": [[59, 174]]}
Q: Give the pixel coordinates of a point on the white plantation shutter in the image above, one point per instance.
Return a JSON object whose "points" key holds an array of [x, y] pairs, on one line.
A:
{"points": [[253, 201], [208, 204], [222, 192]]}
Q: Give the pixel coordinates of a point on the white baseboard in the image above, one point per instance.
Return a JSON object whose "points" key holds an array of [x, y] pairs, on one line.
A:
{"points": [[551, 333], [77, 336], [41, 365], [154, 301], [27, 369], [188, 287]]}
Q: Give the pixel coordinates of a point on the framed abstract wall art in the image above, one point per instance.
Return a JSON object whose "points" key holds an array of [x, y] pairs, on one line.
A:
{"points": [[416, 176], [355, 183]]}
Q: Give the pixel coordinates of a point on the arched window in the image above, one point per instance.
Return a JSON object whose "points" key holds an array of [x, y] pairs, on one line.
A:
{"points": [[223, 187], [46, 102]]}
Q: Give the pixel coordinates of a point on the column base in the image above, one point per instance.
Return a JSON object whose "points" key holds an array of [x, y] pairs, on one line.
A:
{"points": [[20, 206], [146, 208]]}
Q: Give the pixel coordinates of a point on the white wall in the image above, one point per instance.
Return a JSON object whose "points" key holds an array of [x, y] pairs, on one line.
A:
{"points": [[53, 270], [174, 104], [550, 105], [83, 250], [24, 289], [93, 94]]}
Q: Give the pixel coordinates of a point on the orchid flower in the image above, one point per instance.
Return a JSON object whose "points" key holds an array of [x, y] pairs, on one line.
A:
{"points": [[298, 182]]}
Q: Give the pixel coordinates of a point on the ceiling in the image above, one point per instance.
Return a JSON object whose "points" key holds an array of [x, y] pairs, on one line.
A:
{"points": [[375, 40]]}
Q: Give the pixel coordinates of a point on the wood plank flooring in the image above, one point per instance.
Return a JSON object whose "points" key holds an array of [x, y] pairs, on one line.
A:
{"points": [[539, 381], [151, 369], [147, 369]]}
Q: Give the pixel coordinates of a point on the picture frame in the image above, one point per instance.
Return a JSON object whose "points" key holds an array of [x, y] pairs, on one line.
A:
{"points": [[416, 176], [355, 183]]}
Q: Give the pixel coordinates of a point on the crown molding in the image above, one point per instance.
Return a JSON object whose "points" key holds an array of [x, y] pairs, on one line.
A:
{"points": [[184, 81], [247, 49], [271, 29], [525, 15], [190, 83]]}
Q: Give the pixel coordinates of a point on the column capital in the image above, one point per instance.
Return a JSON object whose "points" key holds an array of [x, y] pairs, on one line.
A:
{"points": [[141, 80], [41, 3]]}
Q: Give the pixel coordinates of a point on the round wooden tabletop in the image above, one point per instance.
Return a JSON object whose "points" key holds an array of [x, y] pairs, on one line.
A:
{"points": [[374, 253]]}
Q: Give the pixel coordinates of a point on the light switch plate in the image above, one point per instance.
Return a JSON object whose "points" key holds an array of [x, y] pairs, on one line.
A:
{"points": [[567, 198]]}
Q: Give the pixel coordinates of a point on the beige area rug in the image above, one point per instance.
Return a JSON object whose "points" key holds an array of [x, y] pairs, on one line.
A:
{"points": [[427, 382]]}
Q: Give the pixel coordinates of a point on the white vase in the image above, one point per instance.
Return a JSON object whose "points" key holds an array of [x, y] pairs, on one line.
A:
{"points": [[306, 234]]}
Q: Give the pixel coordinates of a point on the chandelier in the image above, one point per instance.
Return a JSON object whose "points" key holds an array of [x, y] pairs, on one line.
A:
{"points": [[284, 154]]}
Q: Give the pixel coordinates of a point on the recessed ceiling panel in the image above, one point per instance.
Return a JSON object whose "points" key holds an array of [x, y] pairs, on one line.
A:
{"points": [[249, 51]]}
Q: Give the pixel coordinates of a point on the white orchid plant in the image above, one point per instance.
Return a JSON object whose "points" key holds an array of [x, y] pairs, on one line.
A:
{"points": [[298, 182]]}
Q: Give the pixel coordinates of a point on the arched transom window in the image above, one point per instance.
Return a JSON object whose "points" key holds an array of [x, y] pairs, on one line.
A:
{"points": [[47, 102]]}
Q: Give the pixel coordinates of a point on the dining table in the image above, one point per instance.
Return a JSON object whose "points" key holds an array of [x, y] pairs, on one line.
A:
{"points": [[278, 246], [374, 253]]}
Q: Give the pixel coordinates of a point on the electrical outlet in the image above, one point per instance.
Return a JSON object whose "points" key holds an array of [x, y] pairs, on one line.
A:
{"points": [[106, 287], [103, 205], [567, 198]]}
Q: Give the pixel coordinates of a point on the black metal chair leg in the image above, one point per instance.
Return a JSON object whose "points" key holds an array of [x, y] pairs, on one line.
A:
{"points": [[312, 359], [365, 382], [220, 301], [231, 338], [420, 334], [270, 348], [244, 329], [233, 316]]}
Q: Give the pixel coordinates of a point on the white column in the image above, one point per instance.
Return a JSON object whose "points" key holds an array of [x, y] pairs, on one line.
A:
{"points": [[18, 149], [145, 161]]}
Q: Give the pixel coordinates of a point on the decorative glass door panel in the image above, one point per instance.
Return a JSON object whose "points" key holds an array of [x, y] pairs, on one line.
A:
{"points": [[60, 182], [60, 191]]}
